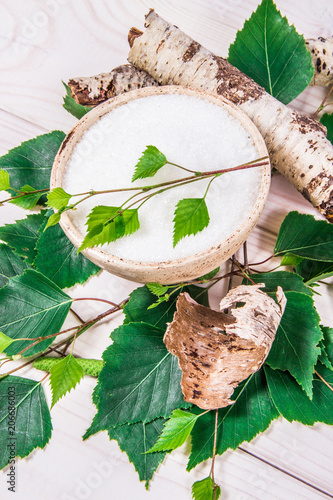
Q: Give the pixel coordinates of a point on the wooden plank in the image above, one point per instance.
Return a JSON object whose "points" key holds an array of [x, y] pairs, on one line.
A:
{"points": [[14, 130]]}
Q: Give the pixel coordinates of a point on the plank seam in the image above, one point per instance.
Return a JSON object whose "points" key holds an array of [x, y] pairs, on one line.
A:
{"points": [[290, 474]]}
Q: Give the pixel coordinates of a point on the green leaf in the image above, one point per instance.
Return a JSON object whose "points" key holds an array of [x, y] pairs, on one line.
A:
{"points": [[328, 340], [271, 52], [22, 236], [4, 342], [28, 201], [209, 276], [157, 289], [31, 306], [204, 490], [72, 106], [57, 258], [290, 260], [135, 440], [176, 430], [149, 164], [191, 217], [32, 418], [164, 298], [327, 120], [303, 235], [64, 376], [326, 346], [252, 412], [140, 380], [294, 348], [289, 282], [4, 180], [31, 162], [91, 367], [314, 270], [107, 224], [293, 403], [10, 264], [58, 198], [137, 309], [52, 220]]}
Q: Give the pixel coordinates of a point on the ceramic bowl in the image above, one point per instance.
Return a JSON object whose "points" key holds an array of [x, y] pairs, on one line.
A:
{"points": [[172, 271]]}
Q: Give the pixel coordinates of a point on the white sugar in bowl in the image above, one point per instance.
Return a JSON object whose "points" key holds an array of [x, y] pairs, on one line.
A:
{"points": [[200, 132]]}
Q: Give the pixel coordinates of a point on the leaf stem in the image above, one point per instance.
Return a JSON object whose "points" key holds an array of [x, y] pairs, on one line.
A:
{"points": [[179, 166], [323, 380], [73, 343], [204, 196], [322, 104], [214, 452]]}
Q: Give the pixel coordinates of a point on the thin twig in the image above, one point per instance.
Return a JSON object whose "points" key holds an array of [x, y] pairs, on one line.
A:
{"points": [[26, 193], [185, 180], [98, 300], [44, 378], [246, 260], [81, 330], [242, 270], [76, 315], [231, 273], [4, 362], [321, 106], [262, 262], [214, 452], [73, 342]]}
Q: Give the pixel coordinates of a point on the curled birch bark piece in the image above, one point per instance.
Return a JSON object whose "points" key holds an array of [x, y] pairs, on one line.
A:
{"points": [[297, 144], [216, 351], [321, 50], [92, 90]]}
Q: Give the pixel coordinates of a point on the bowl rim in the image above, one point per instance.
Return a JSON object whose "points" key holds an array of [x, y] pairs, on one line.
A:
{"points": [[100, 256]]}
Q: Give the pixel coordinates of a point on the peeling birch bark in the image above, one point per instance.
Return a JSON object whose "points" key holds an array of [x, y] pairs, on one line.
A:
{"points": [[297, 144], [216, 351], [92, 90], [321, 50]]}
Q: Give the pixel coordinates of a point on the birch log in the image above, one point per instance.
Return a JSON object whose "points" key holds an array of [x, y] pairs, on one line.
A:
{"points": [[297, 144], [92, 90], [321, 50]]}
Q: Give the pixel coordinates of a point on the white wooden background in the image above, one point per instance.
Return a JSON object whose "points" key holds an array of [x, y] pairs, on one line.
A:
{"points": [[41, 43]]}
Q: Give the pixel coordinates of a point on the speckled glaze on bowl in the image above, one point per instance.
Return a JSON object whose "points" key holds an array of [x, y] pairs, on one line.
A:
{"points": [[178, 270]]}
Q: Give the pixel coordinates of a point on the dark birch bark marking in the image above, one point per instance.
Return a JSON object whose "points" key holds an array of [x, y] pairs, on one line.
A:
{"points": [[321, 50]]}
